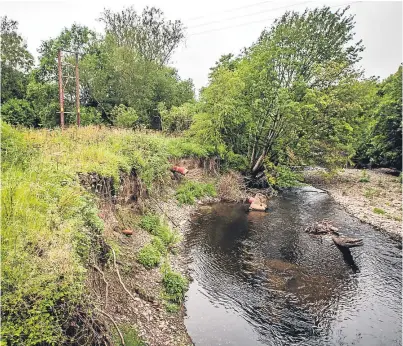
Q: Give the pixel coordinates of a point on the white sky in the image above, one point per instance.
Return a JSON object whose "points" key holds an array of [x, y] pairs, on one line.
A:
{"points": [[378, 24]]}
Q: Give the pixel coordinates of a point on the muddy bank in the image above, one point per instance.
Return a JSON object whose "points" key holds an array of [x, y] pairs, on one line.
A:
{"points": [[372, 196]]}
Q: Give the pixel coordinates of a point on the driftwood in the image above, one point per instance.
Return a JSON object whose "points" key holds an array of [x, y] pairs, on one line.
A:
{"points": [[347, 242], [322, 227]]}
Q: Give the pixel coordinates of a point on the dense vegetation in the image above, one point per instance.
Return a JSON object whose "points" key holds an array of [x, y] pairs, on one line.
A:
{"points": [[50, 227], [294, 97]]}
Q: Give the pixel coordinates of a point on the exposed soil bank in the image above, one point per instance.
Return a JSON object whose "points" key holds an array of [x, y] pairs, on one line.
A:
{"points": [[373, 197], [138, 303]]}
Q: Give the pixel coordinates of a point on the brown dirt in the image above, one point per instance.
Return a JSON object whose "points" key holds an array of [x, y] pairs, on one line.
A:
{"points": [[383, 193], [146, 312]]}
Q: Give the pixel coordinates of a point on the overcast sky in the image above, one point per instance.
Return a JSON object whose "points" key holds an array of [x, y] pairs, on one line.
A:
{"points": [[218, 27]]}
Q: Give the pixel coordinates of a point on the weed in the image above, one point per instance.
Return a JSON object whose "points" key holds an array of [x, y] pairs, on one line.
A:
{"points": [[370, 193], [379, 211], [149, 256], [189, 191], [159, 245], [364, 177], [154, 225], [172, 307], [130, 336]]}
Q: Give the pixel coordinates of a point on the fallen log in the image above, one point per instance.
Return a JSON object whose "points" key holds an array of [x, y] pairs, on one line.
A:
{"points": [[347, 242]]}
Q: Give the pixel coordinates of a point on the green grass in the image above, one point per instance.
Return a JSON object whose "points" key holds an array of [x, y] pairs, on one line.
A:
{"points": [[189, 191], [50, 225], [379, 211]]}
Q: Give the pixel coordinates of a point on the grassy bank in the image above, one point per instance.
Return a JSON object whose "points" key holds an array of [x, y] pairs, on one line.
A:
{"points": [[51, 229]]}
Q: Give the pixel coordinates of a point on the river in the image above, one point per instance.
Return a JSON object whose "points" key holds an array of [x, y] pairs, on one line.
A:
{"points": [[259, 279]]}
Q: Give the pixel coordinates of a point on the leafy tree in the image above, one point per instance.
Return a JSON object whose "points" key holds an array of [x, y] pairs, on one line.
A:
{"points": [[383, 145], [16, 61], [266, 102], [149, 34], [75, 39]]}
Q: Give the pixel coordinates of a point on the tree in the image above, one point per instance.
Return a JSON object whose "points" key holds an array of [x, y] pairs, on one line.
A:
{"points": [[75, 39], [265, 98], [16, 61], [383, 145], [149, 34]]}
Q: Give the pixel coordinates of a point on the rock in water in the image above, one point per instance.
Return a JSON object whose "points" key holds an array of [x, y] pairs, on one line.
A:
{"points": [[347, 242]]}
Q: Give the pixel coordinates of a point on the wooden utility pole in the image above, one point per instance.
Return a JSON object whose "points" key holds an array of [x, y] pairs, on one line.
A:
{"points": [[61, 94], [77, 93]]}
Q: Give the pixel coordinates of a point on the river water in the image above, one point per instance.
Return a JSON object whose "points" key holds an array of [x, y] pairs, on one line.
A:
{"points": [[259, 279]]}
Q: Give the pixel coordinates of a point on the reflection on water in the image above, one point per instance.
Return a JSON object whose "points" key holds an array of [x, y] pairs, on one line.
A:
{"points": [[260, 280]]}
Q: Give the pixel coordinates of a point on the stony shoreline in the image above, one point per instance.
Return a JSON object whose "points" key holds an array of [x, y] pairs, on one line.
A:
{"points": [[374, 197]]}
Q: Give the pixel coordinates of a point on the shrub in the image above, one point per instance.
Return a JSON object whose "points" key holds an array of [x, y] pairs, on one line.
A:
{"points": [[188, 192], [159, 245], [150, 222], [90, 115], [281, 176], [379, 211], [175, 286], [19, 112], [149, 256], [124, 116]]}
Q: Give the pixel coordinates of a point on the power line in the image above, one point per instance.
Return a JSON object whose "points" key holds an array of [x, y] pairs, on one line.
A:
{"points": [[258, 21], [229, 10], [248, 15]]}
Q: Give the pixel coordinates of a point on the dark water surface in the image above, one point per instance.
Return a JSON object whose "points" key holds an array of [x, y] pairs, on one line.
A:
{"points": [[259, 279]]}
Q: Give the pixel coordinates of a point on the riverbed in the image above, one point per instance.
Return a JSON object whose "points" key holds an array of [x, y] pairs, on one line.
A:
{"points": [[259, 279]]}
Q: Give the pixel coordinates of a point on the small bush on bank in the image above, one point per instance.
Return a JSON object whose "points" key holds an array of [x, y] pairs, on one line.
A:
{"points": [[175, 286], [149, 256], [188, 192]]}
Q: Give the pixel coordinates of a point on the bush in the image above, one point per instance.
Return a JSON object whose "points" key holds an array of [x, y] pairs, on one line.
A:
{"points": [[90, 116], [130, 336], [149, 256], [175, 286], [124, 116], [177, 119], [150, 222], [281, 176], [188, 192], [19, 112], [159, 245]]}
